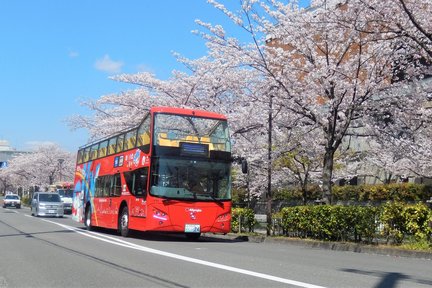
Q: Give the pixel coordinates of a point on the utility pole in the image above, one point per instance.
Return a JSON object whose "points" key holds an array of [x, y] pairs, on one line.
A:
{"points": [[269, 197]]}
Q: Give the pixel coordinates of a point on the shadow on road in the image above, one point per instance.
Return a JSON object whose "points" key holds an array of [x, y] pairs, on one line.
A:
{"points": [[168, 236], [389, 279]]}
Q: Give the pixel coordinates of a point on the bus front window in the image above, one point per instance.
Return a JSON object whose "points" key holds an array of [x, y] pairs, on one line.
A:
{"points": [[191, 179], [170, 130]]}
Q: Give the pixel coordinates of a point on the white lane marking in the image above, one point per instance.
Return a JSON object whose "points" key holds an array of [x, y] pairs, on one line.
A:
{"points": [[123, 243]]}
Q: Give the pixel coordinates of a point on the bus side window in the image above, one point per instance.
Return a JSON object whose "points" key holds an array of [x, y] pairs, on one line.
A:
{"points": [[112, 142], [93, 151], [144, 135], [102, 149], [130, 140], [140, 178], [86, 154], [136, 181], [80, 156], [117, 185], [120, 140], [106, 191], [99, 186]]}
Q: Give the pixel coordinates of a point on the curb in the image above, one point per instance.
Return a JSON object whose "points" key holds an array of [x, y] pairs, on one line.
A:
{"points": [[336, 246]]}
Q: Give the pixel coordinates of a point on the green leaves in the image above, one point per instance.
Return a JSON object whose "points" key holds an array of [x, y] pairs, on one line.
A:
{"points": [[398, 192], [401, 220], [243, 219], [393, 221]]}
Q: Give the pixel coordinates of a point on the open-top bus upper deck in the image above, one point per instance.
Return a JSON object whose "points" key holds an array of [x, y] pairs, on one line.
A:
{"points": [[171, 128]]}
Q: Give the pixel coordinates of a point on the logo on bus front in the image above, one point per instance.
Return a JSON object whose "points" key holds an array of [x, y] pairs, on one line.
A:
{"points": [[192, 212]]}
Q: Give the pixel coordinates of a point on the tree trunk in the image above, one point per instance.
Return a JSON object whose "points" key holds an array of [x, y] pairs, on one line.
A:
{"points": [[327, 176], [304, 189]]}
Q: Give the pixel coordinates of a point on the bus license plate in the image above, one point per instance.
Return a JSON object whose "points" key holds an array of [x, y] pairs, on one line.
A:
{"points": [[192, 228]]}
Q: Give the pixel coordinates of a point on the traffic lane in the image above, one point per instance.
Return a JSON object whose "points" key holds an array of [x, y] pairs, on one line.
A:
{"points": [[326, 267], [183, 270], [101, 261], [293, 262], [345, 267], [173, 242], [37, 255]]}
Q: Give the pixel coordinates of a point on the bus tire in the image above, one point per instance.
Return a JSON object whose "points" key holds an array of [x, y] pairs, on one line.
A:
{"points": [[87, 220], [124, 222]]}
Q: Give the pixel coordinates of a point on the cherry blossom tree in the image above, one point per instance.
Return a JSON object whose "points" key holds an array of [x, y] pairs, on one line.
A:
{"points": [[44, 166], [309, 78], [406, 133]]}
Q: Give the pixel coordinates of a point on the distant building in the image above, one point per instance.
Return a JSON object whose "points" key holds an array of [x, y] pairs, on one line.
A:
{"points": [[7, 153]]}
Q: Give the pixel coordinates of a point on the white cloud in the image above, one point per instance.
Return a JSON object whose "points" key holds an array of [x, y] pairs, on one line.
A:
{"points": [[73, 54], [144, 68], [106, 64]]}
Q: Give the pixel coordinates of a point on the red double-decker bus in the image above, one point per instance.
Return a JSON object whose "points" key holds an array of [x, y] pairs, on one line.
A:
{"points": [[170, 173]]}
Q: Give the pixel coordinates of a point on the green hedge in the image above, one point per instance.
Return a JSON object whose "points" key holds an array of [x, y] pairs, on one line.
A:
{"points": [[395, 192], [295, 194], [400, 220], [408, 192], [325, 222], [392, 222], [243, 220], [26, 200]]}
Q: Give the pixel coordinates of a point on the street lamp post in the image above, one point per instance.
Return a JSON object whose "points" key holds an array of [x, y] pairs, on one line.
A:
{"points": [[60, 161]]}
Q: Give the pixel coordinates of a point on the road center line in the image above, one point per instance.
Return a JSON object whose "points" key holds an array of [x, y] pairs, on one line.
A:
{"points": [[123, 243]]}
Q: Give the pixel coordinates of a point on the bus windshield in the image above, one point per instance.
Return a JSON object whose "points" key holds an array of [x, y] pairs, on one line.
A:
{"points": [[65, 193], [186, 179], [170, 130]]}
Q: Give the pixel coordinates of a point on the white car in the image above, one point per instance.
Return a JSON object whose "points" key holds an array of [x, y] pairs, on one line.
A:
{"points": [[12, 200]]}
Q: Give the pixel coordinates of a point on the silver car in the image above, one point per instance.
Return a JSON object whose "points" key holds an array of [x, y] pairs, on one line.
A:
{"points": [[47, 204]]}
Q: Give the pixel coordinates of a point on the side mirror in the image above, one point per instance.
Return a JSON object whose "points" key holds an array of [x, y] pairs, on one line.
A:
{"points": [[244, 166]]}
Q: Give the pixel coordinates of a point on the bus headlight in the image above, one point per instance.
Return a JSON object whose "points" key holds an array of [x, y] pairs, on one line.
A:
{"points": [[157, 214]]}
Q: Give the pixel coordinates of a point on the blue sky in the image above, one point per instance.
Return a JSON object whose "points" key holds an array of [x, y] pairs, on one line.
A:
{"points": [[54, 54]]}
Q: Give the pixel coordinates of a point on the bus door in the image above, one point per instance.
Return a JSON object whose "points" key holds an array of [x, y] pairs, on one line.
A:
{"points": [[136, 182], [106, 200], [114, 200]]}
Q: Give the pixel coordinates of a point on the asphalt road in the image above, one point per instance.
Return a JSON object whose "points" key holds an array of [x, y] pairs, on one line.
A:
{"points": [[58, 252]]}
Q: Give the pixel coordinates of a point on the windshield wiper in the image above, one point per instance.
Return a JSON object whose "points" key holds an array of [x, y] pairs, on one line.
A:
{"points": [[218, 201]]}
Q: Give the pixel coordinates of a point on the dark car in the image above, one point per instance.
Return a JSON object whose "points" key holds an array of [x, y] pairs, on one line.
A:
{"points": [[12, 200]]}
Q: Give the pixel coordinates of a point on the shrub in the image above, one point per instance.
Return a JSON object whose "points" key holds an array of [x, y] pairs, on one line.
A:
{"points": [[407, 192], [326, 222], [417, 219], [295, 193], [243, 219], [26, 200], [393, 222], [401, 219]]}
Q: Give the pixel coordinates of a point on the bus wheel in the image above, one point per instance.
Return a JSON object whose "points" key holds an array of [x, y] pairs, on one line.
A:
{"points": [[124, 222], [193, 236], [87, 221]]}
